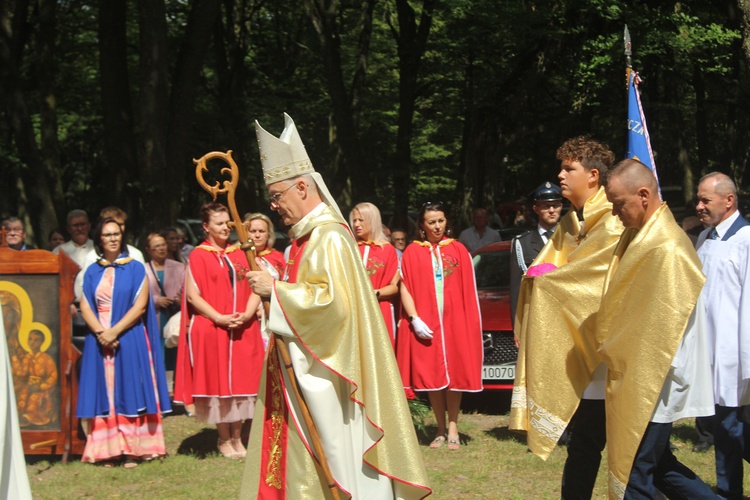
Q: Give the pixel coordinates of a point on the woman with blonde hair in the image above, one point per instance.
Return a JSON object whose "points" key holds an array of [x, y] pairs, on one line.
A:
{"points": [[379, 258], [165, 279], [261, 231]]}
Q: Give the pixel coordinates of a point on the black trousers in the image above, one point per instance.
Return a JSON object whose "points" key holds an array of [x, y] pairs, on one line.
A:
{"points": [[704, 426], [588, 437]]}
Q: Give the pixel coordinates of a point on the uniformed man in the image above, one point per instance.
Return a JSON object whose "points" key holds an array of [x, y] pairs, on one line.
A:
{"points": [[547, 205]]}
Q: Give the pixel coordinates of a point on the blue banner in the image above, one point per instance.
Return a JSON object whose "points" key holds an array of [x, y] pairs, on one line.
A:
{"points": [[639, 142]]}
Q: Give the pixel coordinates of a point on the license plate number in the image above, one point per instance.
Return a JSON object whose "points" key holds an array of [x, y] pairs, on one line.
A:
{"points": [[502, 372]]}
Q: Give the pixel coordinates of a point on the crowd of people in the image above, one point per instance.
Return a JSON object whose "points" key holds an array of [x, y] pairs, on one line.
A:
{"points": [[622, 328], [646, 330]]}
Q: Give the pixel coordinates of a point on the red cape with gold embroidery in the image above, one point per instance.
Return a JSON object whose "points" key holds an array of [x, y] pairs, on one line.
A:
{"points": [[453, 357], [213, 361], [381, 267]]}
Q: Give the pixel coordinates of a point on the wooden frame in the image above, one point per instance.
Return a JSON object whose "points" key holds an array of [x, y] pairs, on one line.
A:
{"points": [[36, 287]]}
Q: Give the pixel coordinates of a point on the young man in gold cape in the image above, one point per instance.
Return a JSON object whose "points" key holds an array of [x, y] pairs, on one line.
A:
{"points": [[554, 325], [328, 317]]}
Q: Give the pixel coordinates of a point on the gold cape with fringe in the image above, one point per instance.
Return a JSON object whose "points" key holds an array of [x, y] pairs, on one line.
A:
{"points": [[651, 288], [554, 324]]}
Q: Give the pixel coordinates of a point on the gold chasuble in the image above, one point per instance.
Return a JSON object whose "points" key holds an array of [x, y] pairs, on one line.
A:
{"points": [[328, 316], [554, 324], [651, 289]]}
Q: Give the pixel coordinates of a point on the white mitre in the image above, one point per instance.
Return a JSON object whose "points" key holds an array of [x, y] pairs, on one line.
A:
{"points": [[285, 158]]}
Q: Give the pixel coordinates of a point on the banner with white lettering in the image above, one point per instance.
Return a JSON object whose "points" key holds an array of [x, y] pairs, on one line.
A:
{"points": [[639, 142]]}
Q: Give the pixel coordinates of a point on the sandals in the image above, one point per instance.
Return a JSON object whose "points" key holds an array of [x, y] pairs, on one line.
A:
{"points": [[438, 442], [226, 449], [130, 463], [454, 443], [238, 448]]}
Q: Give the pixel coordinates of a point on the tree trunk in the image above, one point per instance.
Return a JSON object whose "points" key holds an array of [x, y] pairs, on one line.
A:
{"points": [[182, 98], [737, 118], [691, 173], [117, 109], [13, 27], [231, 50], [46, 41], [350, 181], [411, 40], [744, 6], [464, 189], [152, 113]]}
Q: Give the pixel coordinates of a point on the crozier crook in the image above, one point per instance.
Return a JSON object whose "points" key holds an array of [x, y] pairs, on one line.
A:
{"points": [[228, 187]]}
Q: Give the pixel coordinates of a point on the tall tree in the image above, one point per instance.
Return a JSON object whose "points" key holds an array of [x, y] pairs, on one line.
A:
{"points": [[232, 44], [744, 6], [350, 167], [155, 133], [122, 161], [21, 31], [153, 106], [411, 41], [185, 87]]}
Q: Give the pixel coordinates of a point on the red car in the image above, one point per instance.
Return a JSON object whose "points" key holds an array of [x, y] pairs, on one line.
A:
{"points": [[492, 270]]}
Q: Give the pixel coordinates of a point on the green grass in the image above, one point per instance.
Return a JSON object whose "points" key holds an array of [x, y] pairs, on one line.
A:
{"points": [[493, 463]]}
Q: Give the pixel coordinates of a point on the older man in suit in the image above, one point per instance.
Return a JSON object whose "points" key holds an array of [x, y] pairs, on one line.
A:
{"points": [[547, 205]]}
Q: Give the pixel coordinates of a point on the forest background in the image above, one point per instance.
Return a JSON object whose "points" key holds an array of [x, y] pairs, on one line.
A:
{"points": [[398, 102]]}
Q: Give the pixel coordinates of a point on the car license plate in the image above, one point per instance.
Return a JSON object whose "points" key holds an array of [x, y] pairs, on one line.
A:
{"points": [[501, 372]]}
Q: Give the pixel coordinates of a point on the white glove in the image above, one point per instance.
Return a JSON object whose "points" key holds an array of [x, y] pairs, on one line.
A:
{"points": [[420, 328]]}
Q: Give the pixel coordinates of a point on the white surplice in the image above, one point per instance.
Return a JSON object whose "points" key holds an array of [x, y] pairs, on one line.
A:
{"points": [[726, 265], [688, 388]]}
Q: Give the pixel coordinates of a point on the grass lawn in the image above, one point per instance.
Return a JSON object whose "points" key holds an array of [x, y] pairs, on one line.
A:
{"points": [[493, 463]]}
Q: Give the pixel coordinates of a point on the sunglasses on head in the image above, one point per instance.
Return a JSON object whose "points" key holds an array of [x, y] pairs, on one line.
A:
{"points": [[433, 205]]}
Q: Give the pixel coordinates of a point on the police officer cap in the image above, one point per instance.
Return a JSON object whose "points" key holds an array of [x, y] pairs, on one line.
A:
{"points": [[547, 192]]}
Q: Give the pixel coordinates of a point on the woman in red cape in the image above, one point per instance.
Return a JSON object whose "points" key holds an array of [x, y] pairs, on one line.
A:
{"points": [[221, 357], [439, 343], [262, 233], [379, 258]]}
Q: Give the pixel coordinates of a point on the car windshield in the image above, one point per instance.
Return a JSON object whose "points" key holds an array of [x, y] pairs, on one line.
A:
{"points": [[492, 269]]}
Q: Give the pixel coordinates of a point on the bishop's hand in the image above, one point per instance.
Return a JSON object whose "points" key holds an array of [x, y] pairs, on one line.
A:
{"points": [[261, 282]]}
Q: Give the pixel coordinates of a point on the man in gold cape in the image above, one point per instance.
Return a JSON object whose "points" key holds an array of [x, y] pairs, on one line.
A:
{"points": [[554, 320], [651, 289], [328, 317]]}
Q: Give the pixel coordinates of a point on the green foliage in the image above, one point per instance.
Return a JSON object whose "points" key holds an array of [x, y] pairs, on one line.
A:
{"points": [[500, 86], [420, 411]]}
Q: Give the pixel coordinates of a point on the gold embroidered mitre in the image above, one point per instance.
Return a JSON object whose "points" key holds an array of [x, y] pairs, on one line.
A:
{"points": [[285, 157], [282, 157]]}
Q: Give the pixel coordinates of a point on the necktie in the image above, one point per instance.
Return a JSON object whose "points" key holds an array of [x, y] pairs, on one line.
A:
{"points": [[548, 235], [713, 235]]}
